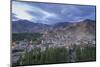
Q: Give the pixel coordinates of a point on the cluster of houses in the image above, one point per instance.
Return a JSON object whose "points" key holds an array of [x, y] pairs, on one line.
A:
{"points": [[58, 39], [19, 48]]}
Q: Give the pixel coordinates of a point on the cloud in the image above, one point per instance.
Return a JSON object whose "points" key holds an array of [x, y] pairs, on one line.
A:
{"points": [[25, 11], [78, 12], [51, 13], [20, 11]]}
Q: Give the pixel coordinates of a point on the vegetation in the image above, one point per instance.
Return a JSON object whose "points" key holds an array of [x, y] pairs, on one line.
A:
{"points": [[57, 55], [51, 55], [87, 53]]}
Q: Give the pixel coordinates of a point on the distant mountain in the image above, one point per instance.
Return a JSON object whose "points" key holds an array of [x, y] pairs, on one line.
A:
{"points": [[62, 24], [85, 25], [22, 26], [88, 20]]}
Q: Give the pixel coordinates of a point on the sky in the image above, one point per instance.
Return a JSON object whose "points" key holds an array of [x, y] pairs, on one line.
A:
{"points": [[50, 13]]}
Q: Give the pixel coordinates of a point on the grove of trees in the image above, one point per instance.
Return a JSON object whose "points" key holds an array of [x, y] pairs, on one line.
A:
{"points": [[51, 55], [57, 55]]}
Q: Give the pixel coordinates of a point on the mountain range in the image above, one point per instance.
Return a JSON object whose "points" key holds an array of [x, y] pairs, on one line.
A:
{"points": [[25, 26]]}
